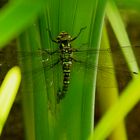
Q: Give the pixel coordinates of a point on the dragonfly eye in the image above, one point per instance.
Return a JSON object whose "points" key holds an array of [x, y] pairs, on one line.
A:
{"points": [[63, 36]]}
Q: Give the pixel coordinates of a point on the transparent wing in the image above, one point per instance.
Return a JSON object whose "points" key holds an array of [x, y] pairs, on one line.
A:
{"points": [[44, 53], [115, 52], [102, 68], [108, 74], [105, 70], [49, 60], [115, 49], [45, 58]]}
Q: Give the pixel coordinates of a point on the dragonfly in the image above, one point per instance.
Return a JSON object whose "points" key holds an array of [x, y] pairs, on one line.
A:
{"points": [[66, 56]]}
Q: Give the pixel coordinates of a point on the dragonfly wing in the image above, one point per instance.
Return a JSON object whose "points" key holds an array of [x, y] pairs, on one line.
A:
{"points": [[23, 55], [109, 50], [115, 52], [44, 66], [104, 70]]}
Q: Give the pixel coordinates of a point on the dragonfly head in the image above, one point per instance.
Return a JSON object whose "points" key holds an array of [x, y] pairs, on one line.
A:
{"points": [[63, 37]]}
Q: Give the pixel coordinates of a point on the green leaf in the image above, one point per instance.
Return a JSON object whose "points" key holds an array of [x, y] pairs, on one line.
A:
{"points": [[128, 99], [107, 88], [122, 37], [16, 16], [8, 92], [73, 117]]}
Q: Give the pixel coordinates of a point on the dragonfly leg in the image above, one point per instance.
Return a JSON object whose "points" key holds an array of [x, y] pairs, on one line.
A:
{"points": [[79, 33], [77, 49], [50, 35], [46, 68], [51, 52], [54, 64], [48, 51]]}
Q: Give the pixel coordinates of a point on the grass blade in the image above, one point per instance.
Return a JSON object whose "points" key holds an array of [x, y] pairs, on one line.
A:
{"points": [[118, 111], [119, 30], [16, 16], [107, 88], [8, 91]]}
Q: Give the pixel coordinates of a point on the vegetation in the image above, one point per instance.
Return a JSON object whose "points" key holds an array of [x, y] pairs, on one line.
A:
{"points": [[73, 117]]}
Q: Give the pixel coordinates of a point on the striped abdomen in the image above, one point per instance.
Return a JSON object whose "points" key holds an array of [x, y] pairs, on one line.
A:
{"points": [[66, 58]]}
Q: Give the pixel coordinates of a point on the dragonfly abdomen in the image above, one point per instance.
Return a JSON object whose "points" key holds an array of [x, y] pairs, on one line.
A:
{"points": [[66, 82], [66, 59]]}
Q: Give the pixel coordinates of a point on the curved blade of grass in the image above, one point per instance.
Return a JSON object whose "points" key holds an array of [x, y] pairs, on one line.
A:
{"points": [[128, 99], [79, 103], [27, 83], [108, 95], [8, 91], [90, 76], [75, 111], [16, 16], [49, 75], [119, 30], [38, 84], [39, 88]]}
